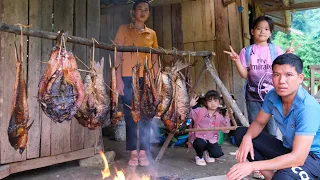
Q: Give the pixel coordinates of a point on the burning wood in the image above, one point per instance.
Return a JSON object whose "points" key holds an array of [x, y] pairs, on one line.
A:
{"points": [[119, 174]]}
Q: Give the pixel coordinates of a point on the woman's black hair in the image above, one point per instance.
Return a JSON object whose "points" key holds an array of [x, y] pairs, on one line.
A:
{"points": [[263, 18], [212, 94], [136, 3]]}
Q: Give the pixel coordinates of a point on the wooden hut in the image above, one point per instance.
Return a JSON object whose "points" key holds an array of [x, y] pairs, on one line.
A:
{"points": [[191, 25]]}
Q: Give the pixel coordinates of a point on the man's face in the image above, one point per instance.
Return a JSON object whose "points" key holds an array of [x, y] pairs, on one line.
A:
{"points": [[142, 12], [286, 80]]}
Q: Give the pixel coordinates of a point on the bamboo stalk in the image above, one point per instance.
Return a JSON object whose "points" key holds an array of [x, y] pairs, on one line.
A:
{"points": [[212, 129], [78, 40]]}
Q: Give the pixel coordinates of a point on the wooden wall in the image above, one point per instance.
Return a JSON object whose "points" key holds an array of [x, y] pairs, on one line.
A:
{"points": [[79, 18], [194, 25], [213, 26]]}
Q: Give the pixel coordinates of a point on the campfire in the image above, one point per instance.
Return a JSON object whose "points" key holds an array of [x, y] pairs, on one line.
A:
{"points": [[119, 174]]}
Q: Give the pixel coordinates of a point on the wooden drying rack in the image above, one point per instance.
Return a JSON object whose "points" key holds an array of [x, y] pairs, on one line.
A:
{"points": [[207, 55]]}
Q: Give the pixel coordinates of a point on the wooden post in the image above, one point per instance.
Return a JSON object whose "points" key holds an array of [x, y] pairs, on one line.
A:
{"points": [[225, 92], [164, 146]]}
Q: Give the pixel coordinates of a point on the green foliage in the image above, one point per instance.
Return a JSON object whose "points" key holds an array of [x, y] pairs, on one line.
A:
{"points": [[306, 22]]}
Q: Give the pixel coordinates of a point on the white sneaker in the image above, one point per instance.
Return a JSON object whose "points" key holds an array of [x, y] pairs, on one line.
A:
{"points": [[208, 158], [200, 161], [257, 175]]}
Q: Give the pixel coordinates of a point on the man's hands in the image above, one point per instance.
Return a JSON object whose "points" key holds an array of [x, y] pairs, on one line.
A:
{"points": [[240, 171], [233, 55], [194, 100], [243, 168], [246, 146]]}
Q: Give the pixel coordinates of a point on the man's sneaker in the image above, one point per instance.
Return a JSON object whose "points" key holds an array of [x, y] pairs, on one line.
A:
{"points": [[257, 175], [200, 161], [208, 158]]}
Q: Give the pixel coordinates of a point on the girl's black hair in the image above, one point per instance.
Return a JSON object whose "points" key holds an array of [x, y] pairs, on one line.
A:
{"points": [[140, 1], [263, 18], [212, 94]]}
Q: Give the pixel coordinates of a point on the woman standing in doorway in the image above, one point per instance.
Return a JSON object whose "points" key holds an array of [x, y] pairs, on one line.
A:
{"points": [[135, 34]]}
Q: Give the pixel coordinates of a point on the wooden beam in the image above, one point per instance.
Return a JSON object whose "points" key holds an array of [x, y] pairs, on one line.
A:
{"points": [[78, 40], [112, 3], [47, 161], [164, 146], [306, 5], [212, 129], [4, 171]]}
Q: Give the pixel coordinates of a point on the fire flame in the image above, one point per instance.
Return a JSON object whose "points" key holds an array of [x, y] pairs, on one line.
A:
{"points": [[145, 177], [106, 172], [120, 175]]}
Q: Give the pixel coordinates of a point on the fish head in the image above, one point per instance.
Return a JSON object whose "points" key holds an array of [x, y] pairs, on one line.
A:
{"points": [[22, 143]]}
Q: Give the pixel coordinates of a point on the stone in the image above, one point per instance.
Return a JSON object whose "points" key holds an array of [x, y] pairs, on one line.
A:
{"points": [[96, 160]]}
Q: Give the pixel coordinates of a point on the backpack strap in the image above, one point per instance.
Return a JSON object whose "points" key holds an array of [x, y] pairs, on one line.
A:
{"points": [[248, 54], [273, 51]]}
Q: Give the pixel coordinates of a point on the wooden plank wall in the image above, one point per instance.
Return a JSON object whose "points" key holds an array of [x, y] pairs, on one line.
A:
{"points": [[14, 11], [46, 138], [209, 25], [46, 47], [198, 26]]}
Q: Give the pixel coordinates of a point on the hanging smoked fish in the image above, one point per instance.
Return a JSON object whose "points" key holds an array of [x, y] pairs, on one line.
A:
{"points": [[61, 89], [95, 108], [18, 126]]}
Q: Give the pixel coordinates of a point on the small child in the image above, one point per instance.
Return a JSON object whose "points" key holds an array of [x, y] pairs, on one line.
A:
{"points": [[205, 143]]}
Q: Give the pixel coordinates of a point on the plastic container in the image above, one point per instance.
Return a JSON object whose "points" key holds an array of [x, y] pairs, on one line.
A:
{"points": [[179, 141], [221, 137]]}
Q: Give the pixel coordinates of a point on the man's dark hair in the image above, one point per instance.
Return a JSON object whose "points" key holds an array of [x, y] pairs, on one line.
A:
{"points": [[137, 2], [290, 59]]}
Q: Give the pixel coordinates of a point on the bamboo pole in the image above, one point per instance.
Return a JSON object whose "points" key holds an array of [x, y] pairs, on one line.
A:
{"points": [[83, 41], [212, 129], [225, 92], [164, 146]]}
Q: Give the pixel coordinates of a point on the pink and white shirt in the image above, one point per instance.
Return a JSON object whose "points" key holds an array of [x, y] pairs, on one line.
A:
{"points": [[260, 71], [202, 119]]}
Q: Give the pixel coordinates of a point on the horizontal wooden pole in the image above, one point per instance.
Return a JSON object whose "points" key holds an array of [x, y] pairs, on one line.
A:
{"points": [[212, 129], [113, 3], [50, 160], [4, 171], [305, 5], [225, 92], [83, 41]]}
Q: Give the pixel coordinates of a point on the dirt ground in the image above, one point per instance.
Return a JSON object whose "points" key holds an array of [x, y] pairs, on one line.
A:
{"points": [[176, 162]]}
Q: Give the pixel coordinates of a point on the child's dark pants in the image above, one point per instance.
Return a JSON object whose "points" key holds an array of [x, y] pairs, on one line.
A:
{"points": [[200, 145]]}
